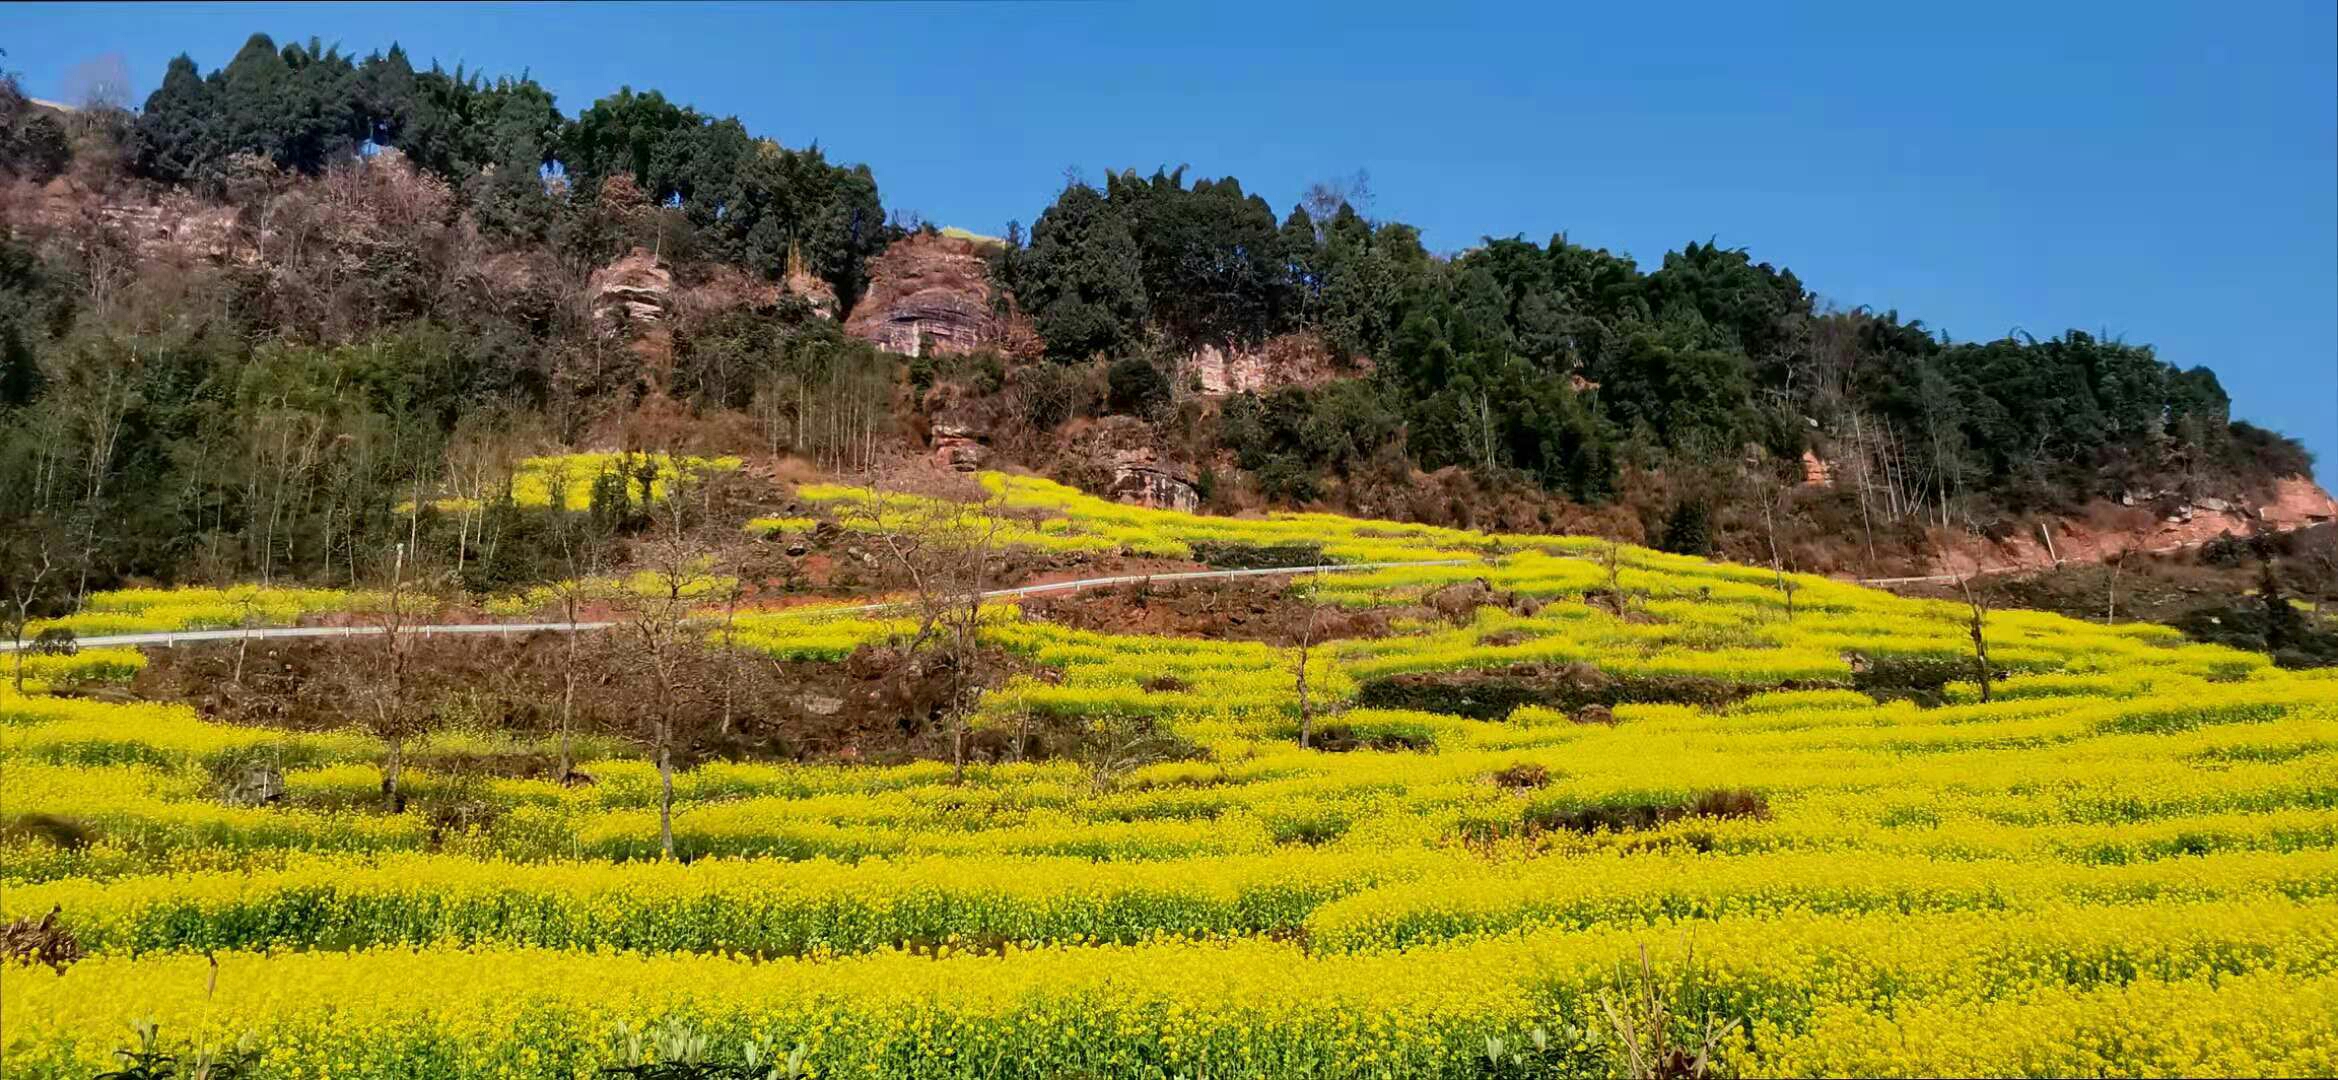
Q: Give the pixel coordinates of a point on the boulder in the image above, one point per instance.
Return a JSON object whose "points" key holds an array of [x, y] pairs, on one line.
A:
{"points": [[1139, 477], [958, 447]]}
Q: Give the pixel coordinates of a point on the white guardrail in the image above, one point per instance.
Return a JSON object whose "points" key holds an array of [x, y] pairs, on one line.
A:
{"points": [[187, 637]]}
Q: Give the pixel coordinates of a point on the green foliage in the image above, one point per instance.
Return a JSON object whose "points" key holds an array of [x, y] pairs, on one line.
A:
{"points": [[273, 428], [33, 144], [296, 106], [303, 108], [1137, 386], [1050, 394], [1082, 278], [1689, 529], [1549, 360]]}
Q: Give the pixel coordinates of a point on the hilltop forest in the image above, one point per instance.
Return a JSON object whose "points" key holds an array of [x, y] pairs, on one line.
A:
{"points": [[242, 322]]}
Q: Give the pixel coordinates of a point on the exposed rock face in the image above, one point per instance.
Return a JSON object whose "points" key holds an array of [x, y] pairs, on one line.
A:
{"points": [[931, 291], [720, 288], [1298, 359], [2155, 522], [636, 289], [1139, 477], [1142, 474], [1817, 471], [172, 227], [957, 446], [962, 426], [802, 282], [634, 298], [2297, 503]]}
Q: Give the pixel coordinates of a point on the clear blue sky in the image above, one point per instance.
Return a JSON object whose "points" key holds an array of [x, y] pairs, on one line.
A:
{"points": [[2164, 172]]}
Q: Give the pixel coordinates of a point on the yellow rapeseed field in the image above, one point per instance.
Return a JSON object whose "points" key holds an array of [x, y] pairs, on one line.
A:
{"points": [[1794, 833]]}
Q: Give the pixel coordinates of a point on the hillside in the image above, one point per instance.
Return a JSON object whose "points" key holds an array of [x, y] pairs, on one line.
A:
{"points": [[1520, 806], [236, 324]]}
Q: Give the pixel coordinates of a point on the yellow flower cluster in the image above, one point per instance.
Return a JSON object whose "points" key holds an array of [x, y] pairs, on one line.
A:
{"points": [[570, 478], [150, 611]]}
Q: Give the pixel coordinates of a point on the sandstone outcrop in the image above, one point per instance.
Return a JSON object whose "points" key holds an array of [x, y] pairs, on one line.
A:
{"points": [[810, 287], [1139, 477], [2148, 522], [635, 290], [961, 427], [933, 292], [1298, 359], [1817, 471], [633, 298], [1141, 472]]}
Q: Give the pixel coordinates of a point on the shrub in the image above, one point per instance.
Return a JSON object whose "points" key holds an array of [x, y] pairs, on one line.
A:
{"points": [[1137, 387]]}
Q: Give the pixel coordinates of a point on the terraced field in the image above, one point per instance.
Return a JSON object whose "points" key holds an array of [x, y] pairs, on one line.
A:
{"points": [[1632, 804]]}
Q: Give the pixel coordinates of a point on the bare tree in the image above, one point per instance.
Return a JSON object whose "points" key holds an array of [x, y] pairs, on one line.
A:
{"points": [[1774, 494], [101, 82], [1324, 197], [2118, 566], [29, 576], [247, 603], [478, 466], [730, 587], [1477, 420], [946, 547], [583, 548], [1305, 650], [1611, 559], [1866, 515], [385, 704], [666, 641], [286, 444], [1977, 600]]}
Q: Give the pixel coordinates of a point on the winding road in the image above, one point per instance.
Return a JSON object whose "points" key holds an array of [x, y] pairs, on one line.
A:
{"points": [[189, 637]]}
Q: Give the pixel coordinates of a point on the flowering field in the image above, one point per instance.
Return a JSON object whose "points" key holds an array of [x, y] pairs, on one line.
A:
{"points": [[1790, 832]]}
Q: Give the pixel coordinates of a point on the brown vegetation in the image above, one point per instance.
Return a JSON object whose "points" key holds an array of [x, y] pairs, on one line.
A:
{"points": [[1234, 610]]}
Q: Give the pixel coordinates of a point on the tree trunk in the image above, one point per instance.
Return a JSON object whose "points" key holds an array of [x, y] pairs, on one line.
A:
{"points": [[1981, 655], [1306, 717], [957, 745], [2111, 616], [730, 654], [665, 800], [392, 766], [958, 708], [568, 693], [568, 713]]}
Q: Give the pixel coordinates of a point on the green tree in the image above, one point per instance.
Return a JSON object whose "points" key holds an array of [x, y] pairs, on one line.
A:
{"points": [[1082, 277]]}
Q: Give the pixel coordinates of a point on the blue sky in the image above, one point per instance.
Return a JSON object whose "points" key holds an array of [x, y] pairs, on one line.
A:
{"points": [[2163, 172]]}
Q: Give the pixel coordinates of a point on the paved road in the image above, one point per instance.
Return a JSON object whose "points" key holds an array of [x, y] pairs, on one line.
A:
{"points": [[188, 637]]}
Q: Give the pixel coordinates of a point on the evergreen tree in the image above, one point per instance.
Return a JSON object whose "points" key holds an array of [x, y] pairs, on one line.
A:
{"points": [[1083, 279]]}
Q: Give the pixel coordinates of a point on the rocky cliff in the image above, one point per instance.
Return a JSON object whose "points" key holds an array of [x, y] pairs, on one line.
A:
{"points": [[1300, 359], [933, 292]]}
